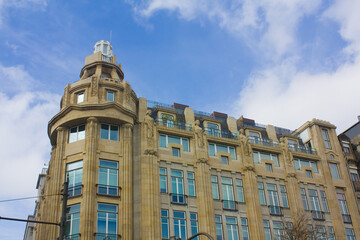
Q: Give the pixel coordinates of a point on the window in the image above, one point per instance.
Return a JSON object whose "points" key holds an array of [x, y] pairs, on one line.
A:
{"points": [[331, 233], [293, 144], [231, 228], [72, 221], [346, 146], [245, 229], [224, 160], [303, 197], [107, 221], [194, 224], [278, 230], [108, 178], [343, 208], [268, 167], [191, 183], [239, 190], [350, 234], [273, 199], [164, 224], [166, 139], [77, 133], [326, 138], [228, 193], [261, 193], [324, 202], [215, 187], [308, 173], [334, 170], [311, 232], [284, 196], [163, 180], [254, 137], [315, 204], [80, 97], [258, 156], [110, 132], [167, 120], [179, 224], [219, 230], [214, 148], [320, 233], [176, 152], [177, 185], [354, 175], [298, 163], [267, 230], [110, 96], [74, 176], [213, 129]]}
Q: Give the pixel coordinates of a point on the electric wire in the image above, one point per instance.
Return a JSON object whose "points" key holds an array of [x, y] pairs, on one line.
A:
{"points": [[24, 198]]}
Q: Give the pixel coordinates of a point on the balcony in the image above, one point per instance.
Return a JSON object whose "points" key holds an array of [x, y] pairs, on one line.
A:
{"points": [[106, 236], [318, 215], [173, 124], [108, 190], [176, 198], [73, 237], [302, 149], [264, 142], [346, 218], [356, 185], [218, 133], [229, 205], [275, 210], [74, 191]]}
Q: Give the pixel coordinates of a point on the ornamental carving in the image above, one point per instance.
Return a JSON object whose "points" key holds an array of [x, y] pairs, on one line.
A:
{"points": [[249, 168], [127, 92], [94, 86], [285, 150], [244, 143], [200, 137], [202, 160], [149, 128], [150, 152], [291, 175]]}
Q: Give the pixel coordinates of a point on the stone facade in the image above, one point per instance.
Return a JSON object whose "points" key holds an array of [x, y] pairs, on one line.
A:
{"points": [[144, 170]]}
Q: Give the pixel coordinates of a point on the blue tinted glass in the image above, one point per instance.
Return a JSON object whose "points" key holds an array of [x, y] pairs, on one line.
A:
{"points": [[185, 144], [162, 141], [107, 207], [172, 139], [114, 133], [221, 148], [104, 131], [211, 149]]}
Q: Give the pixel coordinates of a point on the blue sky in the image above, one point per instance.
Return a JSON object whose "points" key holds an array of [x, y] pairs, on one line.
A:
{"points": [[278, 62]]}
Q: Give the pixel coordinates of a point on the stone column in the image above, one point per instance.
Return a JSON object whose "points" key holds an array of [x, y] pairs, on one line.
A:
{"points": [[204, 199], [88, 205], [126, 211]]}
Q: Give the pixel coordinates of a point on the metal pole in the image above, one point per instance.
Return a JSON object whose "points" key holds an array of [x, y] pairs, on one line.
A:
{"points": [[63, 212], [26, 220]]}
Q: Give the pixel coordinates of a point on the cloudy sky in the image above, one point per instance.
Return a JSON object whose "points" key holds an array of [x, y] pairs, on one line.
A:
{"points": [[279, 62]]}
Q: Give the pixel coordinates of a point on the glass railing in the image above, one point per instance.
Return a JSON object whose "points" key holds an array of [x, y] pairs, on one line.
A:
{"points": [[302, 149], [264, 142], [173, 124], [218, 133], [178, 198]]}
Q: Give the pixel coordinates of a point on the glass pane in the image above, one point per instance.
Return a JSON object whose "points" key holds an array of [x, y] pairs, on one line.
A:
{"points": [[176, 173], [172, 139], [185, 144], [211, 149], [104, 131], [256, 157], [110, 164], [162, 141], [221, 148], [232, 152]]}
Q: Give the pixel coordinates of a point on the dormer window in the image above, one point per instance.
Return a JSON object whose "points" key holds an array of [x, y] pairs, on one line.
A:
{"points": [[213, 129]]}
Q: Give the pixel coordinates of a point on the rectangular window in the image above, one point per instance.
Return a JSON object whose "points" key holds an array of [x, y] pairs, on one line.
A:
{"points": [[331, 233], [324, 201], [77, 133], [284, 196], [108, 177], [214, 148], [228, 193], [254, 137], [320, 233], [179, 224], [261, 193], [354, 175], [110, 96], [334, 170], [308, 173], [213, 129], [191, 183], [224, 160], [107, 216], [163, 180], [258, 156], [343, 208], [80, 97], [346, 147], [232, 228], [166, 139], [303, 197], [72, 221], [110, 132], [194, 224], [314, 200], [326, 138], [240, 190], [245, 229], [164, 224], [268, 167], [219, 229], [176, 152], [273, 199], [350, 234], [177, 185], [215, 187], [267, 230], [167, 120], [298, 163], [74, 177], [278, 228]]}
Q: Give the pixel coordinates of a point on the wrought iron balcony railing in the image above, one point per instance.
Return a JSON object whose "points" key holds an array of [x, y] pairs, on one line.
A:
{"points": [[73, 237], [317, 215], [178, 198], [218, 133], [107, 236], [264, 142], [229, 205], [173, 124], [346, 218], [303, 149], [275, 210], [74, 191], [108, 190]]}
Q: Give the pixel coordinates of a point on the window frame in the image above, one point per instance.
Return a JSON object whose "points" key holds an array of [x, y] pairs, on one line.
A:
{"points": [[109, 131], [108, 94], [163, 180], [230, 149], [80, 134], [80, 97], [326, 137], [184, 142], [74, 216], [74, 186], [107, 213], [109, 173]]}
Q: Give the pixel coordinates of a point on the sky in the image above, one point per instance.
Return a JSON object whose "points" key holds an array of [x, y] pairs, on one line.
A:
{"points": [[278, 62]]}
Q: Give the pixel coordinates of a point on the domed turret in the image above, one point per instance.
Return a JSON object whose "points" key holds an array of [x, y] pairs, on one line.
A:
{"points": [[104, 47]]}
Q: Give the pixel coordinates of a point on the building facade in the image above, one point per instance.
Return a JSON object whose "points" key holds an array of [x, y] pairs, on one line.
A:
{"points": [[139, 169]]}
